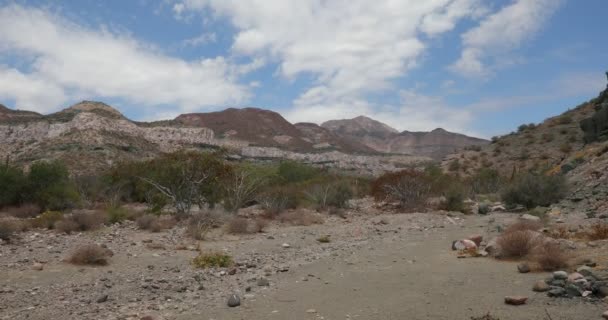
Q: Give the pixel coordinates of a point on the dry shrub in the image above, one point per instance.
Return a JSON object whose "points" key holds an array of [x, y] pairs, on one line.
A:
{"points": [[560, 232], [598, 231], [201, 223], [66, 226], [155, 246], [47, 219], [524, 225], [410, 188], [83, 221], [90, 254], [240, 225], [517, 244], [8, 228], [154, 223], [23, 211], [301, 218], [212, 260], [550, 257]]}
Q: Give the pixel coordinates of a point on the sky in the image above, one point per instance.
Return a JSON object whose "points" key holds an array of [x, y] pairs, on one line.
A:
{"points": [[479, 67]]}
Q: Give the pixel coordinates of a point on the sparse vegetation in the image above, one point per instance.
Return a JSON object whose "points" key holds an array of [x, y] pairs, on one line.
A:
{"points": [[301, 218], [550, 257], [8, 228], [517, 244], [212, 260], [598, 231], [90, 254], [533, 189]]}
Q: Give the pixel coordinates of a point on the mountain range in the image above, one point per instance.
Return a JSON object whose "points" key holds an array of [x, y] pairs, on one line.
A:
{"points": [[91, 128]]}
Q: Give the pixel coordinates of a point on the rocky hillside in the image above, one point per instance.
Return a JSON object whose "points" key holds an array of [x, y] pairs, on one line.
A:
{"points": [[91, 136], [382, 138], [574, 143]]}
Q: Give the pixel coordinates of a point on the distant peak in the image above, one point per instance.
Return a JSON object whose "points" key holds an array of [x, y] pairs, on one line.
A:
{"points": [[439, 130], [93, 105]]}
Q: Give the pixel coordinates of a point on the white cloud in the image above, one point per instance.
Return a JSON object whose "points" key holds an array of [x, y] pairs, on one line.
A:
{"points": [[500, 33], [68, 61], [205, 38], [351, 48]]}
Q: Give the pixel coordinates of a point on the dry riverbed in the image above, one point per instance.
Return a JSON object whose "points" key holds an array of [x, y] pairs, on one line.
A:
{"points": [[376, 266]]}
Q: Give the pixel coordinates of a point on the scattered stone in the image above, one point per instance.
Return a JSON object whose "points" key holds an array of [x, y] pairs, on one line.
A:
{"points": [[263, 282], [516, 300], [541, 286], [605, 315], [311, 311], [573, 291], [560, 275], [38, 266], [286, 245], [556, 292], [465, 244], [234, 301], [575, 276], [523, 267], [102, 298]]}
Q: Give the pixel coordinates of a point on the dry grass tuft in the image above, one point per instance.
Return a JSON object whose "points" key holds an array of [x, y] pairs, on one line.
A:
{"points": [[517, 244], [301, 218], [550, 257], [90, 254], [8, 228], [201, 223], [23, 211], [212, 260], [155, 223], [598, 231], [81, 221], [240, 225]]}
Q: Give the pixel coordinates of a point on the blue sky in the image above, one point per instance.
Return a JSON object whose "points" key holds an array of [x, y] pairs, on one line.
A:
{"points": [[480, 67]]}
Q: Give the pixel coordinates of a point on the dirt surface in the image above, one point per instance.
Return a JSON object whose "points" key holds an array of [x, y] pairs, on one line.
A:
{"points": [[383, 266]]}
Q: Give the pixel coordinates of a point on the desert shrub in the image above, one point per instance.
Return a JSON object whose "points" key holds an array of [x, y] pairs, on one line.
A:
{"points": [[23, 211], [292, 172], [117, 214], [87, 221], [565, 119], [517, 244], [547, 137], [8, 228], [201, 223], [329, 194], [598, 231], [49, 186], [212, 260], [454, 165], [12, 184], [278, 199], [241, 186], [301, 218], [67, 226], [410, 188], [238, 225], [533, 190], [90, 254], [454, 200], [485, 181], [473, 148], [47, 219], [550, 257], [154, 223]]}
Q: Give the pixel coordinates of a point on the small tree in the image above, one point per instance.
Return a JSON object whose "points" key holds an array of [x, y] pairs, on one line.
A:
{"points": [[241, 187], [12, 182], [410, 188], [186, 178], [534, 189], [49, 186]]}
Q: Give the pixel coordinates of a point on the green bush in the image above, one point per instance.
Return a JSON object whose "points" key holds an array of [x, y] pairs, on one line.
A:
{"points": [[212, 260], [47, 219], [117, 214], [329, 195], [49, 186], [454, 200], [12, 183], [533, 189], [485, 181], [291, 171]]}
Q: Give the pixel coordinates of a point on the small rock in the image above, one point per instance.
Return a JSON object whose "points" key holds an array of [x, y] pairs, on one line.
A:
{"points": [[573, 291], [232, 271], [529, 217], [38, 266], [605, 315], [602, 291], [465, 244], [560, 275], [234, 301], [523, 267], [286, 245], [575, 276], [541, 286], [311, 311], [516, 300], [263, 282], [556, 292], [558, 283], [102, 298]]}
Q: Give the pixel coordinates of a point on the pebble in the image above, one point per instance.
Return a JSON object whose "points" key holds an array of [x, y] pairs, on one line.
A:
{"points": [[556, 292], [560, 275], [523, 267], [38, 266], [234, 301], [102, 298], [286, 245], [263, 282], [541, 286], [605, 315], [311, 311], [515, 300]]}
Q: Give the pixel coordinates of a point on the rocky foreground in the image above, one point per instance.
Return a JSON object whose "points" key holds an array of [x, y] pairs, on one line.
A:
{"points": [[376, 265]]}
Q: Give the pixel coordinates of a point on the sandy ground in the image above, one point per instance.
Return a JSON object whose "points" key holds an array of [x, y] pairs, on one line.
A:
{"points": [[403, 269]]}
